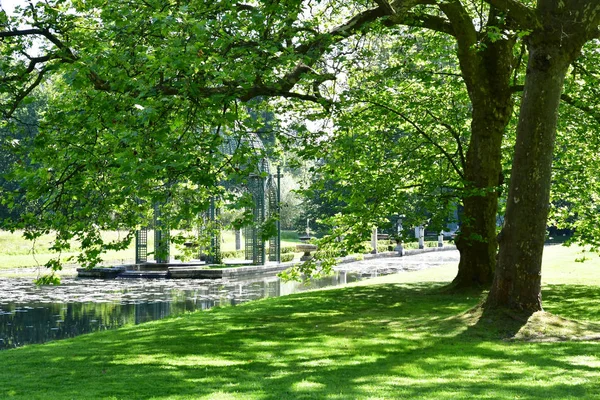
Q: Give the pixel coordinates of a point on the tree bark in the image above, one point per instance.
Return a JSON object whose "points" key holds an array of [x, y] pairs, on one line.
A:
{"points": [[489, 90], [477, 239], [552, 48], [518, 277]]}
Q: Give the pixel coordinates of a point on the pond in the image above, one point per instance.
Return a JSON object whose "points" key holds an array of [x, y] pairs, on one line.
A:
{"points": [[31, 314]]}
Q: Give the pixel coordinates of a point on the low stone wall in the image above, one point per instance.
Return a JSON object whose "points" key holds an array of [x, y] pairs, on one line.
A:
{"points": [[202, 272], [218, 273], [102, 273]]}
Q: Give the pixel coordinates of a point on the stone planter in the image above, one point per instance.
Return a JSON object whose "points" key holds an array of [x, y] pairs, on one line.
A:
{"points": [[306, 248]]}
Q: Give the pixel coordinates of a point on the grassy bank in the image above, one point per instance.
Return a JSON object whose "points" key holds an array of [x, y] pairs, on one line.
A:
{"points": [[393, 337]]}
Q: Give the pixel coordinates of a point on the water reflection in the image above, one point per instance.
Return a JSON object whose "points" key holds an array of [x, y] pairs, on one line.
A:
{"points": [[29, 314]]}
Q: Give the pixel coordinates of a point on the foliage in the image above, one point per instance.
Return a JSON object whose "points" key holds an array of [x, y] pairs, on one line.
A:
{"points": [[51, 279], [287, 249], [575, 175], [290, 200], [233, 254], [166, 100], [18, 133], [17, 252], [287, 257], [402, 127], [146, 94]]}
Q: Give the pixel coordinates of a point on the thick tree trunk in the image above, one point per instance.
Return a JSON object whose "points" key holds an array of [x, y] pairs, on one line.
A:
{"points": [[564, 27], [477, 240], [489, 90], [518, 276]]}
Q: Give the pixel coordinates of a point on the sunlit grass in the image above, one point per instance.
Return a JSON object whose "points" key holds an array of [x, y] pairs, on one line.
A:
{"points": [[16, 252], [394, 337]]}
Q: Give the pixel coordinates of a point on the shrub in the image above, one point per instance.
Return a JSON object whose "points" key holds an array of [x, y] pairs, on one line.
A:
{"points": [[286, 257], [385, 245], [288, 249], [415, 245], [233, 254]]}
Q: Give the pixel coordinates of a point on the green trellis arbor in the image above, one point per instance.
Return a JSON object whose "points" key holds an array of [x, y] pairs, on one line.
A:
{"points": [[264, 188]]}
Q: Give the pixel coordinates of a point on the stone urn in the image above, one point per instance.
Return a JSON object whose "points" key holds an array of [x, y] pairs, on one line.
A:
{"points": [[306, 248]]}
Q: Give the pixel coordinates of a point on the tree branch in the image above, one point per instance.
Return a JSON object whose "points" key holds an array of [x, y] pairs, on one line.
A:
{"points": [[422, 133], [24, 93], [590, 111], [310, 52], [385, 5], [466, 38], [43, 32], [581, 107], [455, 135], [524, 16]]}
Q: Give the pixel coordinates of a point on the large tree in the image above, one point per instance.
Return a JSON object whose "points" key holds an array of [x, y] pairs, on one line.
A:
{"points": [[558, 32], [159, 68], [212, 55]]}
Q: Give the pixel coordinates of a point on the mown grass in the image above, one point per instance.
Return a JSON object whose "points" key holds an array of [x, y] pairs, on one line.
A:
{"points": [[394, 337], [16, 252]]}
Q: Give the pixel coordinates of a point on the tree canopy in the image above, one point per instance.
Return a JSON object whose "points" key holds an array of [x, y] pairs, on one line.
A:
{"points": [[143, 94]]}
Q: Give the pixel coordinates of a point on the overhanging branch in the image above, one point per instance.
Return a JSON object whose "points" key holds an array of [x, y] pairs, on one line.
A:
{"points": [[524, 16], [591, 112], [422, 133]]}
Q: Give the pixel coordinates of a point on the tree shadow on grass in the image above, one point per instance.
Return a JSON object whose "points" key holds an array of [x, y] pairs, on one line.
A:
{"points": [[573, 301], [572, 312], [387, 341]]}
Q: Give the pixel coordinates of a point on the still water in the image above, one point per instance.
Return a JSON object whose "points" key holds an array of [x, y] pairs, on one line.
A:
{"points": [[31, 314]]}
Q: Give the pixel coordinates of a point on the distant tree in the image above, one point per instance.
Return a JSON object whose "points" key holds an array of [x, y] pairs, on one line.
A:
{"points": [[398, 148]]}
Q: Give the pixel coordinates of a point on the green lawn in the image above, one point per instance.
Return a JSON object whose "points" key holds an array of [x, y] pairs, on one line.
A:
{"points": [[393, 337], [16, 252]]}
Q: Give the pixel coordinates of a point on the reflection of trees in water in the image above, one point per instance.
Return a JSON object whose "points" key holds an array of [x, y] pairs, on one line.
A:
{"points": [[41, 322], [45, 322]]}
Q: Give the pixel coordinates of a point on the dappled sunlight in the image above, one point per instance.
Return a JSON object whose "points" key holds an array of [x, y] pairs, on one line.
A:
{"points": [[218, 395], [305, 385], [543, 326], [167, 359], [584, 360], [312, 314], [578, 302], [323, 362], [381, 341]]}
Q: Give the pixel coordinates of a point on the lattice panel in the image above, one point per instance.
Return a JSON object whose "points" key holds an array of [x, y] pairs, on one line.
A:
{"points": [[274, 243], [215, 239], [249, 243], [141, 246], [259, 218]]}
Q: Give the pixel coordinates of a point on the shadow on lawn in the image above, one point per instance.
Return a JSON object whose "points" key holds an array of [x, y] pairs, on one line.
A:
{"points": [[389, 341], [573, 301]]}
